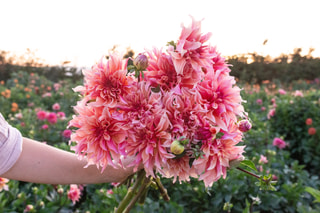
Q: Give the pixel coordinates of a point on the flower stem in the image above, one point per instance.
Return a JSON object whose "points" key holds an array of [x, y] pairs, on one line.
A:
{"points": [[131, 192], [250, 173], [163, 191], [145, 184]]}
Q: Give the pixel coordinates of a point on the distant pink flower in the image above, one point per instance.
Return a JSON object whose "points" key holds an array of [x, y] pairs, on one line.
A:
{"points": [[52, 117], [309, 121], [74, 193], [312, 131], [66, 133], [263, 159], [263, 108], [282, 92], [109, 192], [271, 113], [47, 94], [273, 100], [28, 208], [61, 115], [298, 93], [19, 115], [44, 126], [278, 142], [56, 106], [41, 115], [3, 184], [56, 86], [244, 125], [259, 101]]}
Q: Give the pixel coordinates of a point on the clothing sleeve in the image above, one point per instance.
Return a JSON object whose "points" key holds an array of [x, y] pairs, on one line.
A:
{"points": [[10, 145]]}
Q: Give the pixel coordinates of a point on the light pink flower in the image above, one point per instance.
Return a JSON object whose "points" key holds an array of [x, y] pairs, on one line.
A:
{"points": [[56, 106], [282, 92], [74, 193], [271, 113], [298, 93], [278, 142], [110, 192], [263, 159], [61, 115], [263, 108]]}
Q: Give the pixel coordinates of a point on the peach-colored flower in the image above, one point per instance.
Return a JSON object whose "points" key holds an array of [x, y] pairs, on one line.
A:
{"points": [[3, 184], [74, 193]]}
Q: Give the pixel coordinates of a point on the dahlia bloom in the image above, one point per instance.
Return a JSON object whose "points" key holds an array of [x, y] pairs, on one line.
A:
{"points": [[309, 121], [312, 131], [278, 142], [74, 193], [185, 94], [41, 115], [56, 106], [3, 184]]}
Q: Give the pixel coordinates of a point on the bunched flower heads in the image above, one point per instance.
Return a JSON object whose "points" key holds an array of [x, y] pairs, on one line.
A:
{"points": [[176, 111]]}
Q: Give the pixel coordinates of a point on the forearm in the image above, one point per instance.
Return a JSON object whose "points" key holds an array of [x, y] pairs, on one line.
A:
{"points": [[41, 163]]}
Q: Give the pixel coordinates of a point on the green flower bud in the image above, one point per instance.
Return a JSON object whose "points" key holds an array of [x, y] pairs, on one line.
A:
{"points": [[176, 147]]}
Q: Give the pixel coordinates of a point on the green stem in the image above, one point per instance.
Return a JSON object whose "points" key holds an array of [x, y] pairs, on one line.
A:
{"points": [[250, 173], [131, 192], [145, 184], [163, 191]]}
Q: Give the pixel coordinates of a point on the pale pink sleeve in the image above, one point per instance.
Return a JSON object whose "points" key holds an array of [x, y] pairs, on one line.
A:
{"points": [[10, 145]]}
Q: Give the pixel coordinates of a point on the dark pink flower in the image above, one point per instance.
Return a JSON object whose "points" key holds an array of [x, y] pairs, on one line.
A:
{"points": [[66, 133], [52, 117], [278, 142], [44, 126], [41, 115], [259, 101]]}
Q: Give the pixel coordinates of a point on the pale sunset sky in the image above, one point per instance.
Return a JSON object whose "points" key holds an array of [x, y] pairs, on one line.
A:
{"points": [[83, 31]]}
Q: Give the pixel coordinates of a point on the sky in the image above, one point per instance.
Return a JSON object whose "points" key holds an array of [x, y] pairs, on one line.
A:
{"points": [[83, 31]]}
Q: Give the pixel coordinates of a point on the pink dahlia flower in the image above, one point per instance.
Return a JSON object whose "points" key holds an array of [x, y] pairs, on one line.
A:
{"points": [[278, 142], [41, 115], [52, 117], [56, 106], [74, 193]]}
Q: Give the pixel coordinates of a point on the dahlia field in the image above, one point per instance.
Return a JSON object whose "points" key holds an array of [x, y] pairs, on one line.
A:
{"points": [[207, 141], [283, 141]]}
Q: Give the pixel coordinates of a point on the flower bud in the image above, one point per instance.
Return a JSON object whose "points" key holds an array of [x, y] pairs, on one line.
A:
{"points": [[176, 148], [244, 125], [28, 208], [60, 191], [141, 62]]}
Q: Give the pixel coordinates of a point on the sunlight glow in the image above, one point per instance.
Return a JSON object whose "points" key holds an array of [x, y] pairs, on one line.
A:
{"points": [[82, 31]]}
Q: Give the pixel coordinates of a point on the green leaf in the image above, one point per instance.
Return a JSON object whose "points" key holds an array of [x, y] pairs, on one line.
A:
{"points": [[315, 193], [250, 164]]}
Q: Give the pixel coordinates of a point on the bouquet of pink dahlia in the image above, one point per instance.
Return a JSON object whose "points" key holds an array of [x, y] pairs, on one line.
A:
{"points": [[178, 112]]}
